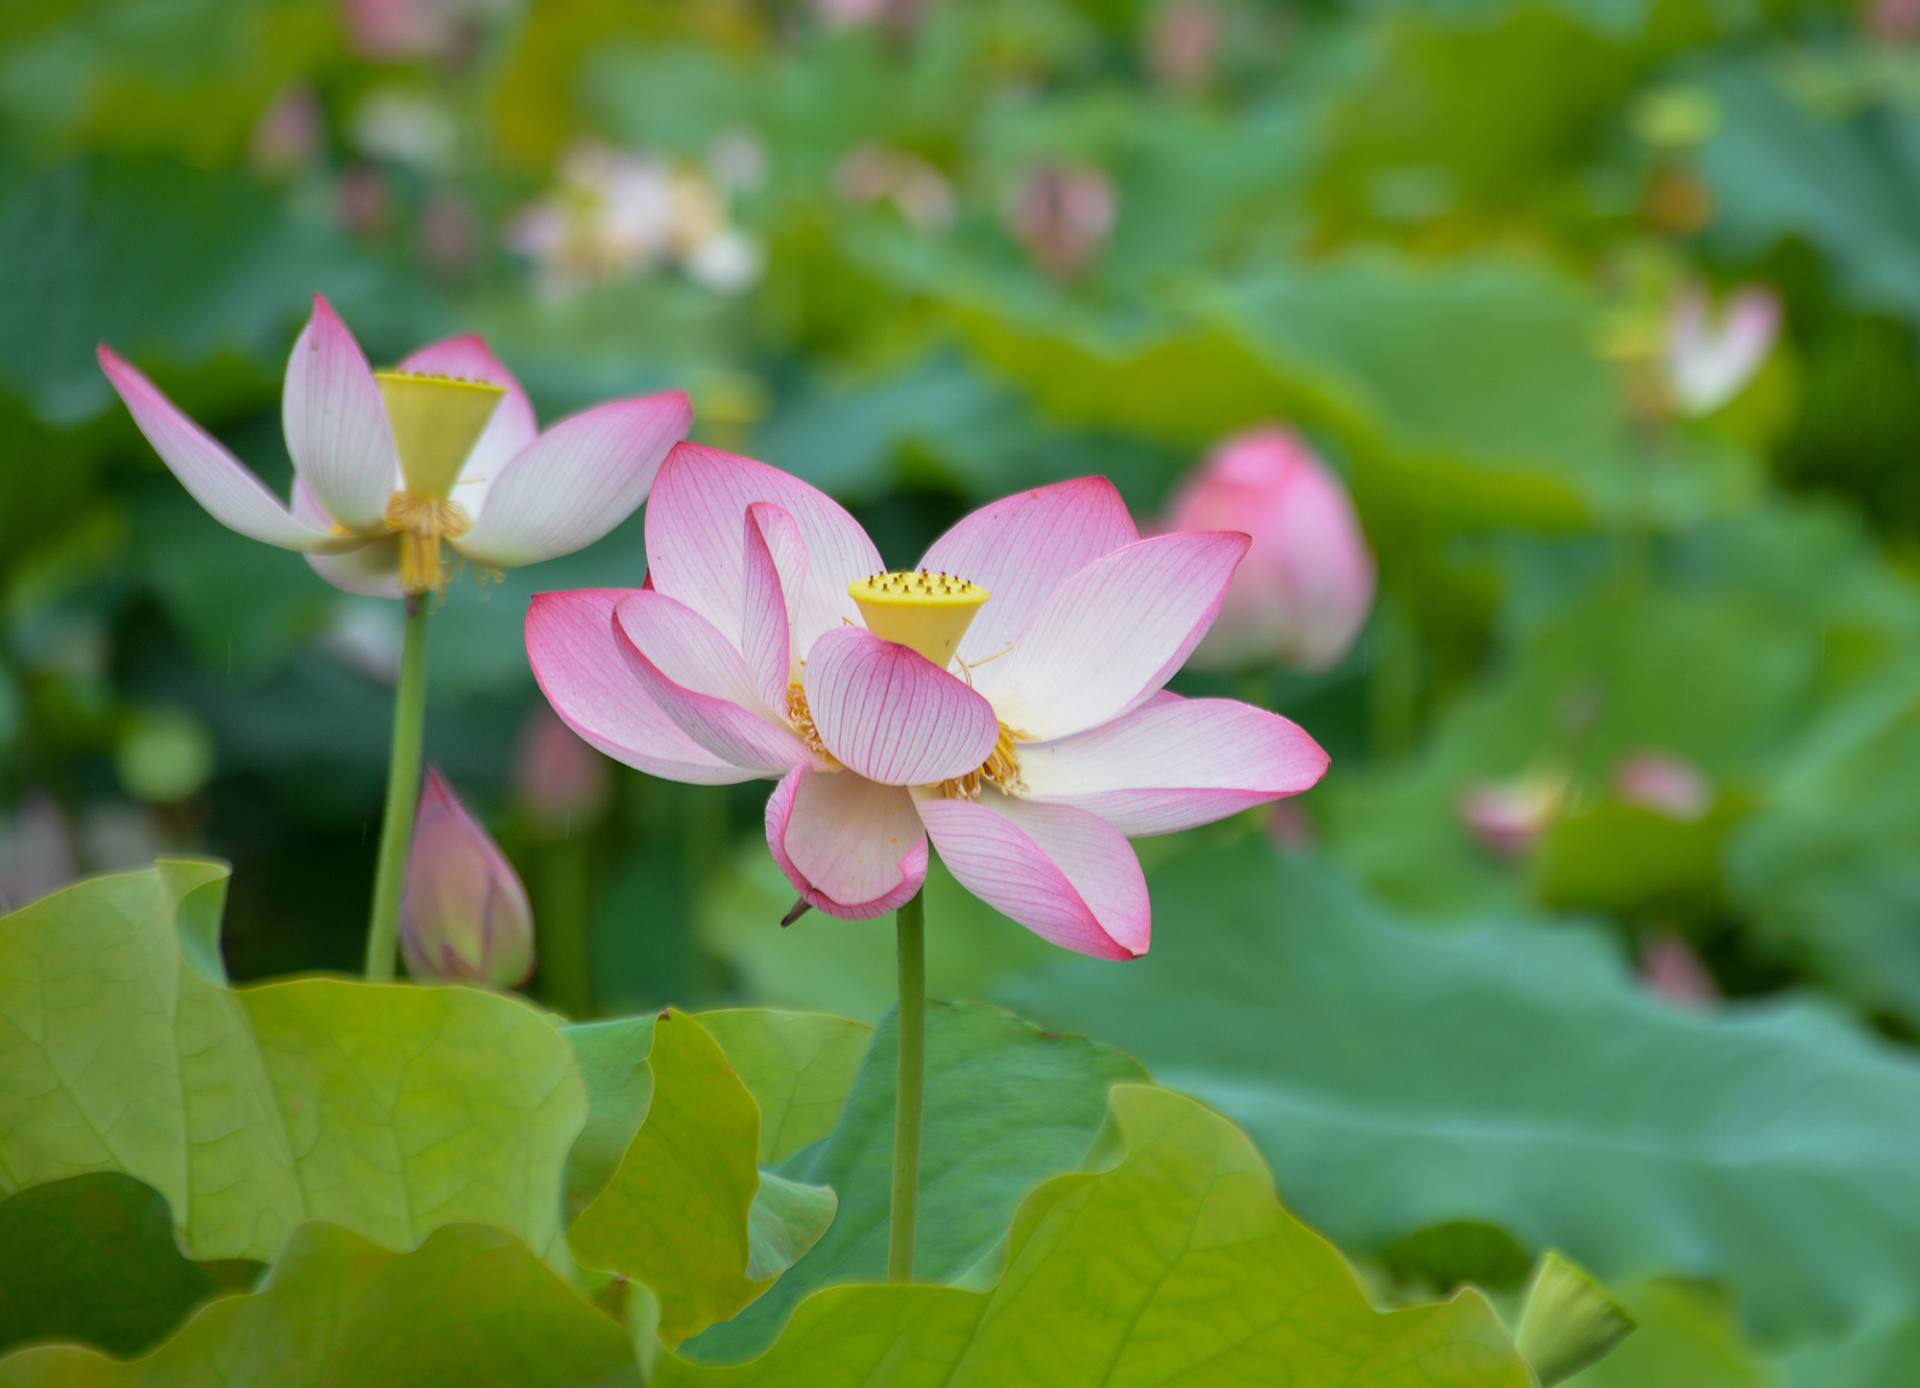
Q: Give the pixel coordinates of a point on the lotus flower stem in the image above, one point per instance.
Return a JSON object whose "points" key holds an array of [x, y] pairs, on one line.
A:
{"points": [[909, 1085], [403, 793]]}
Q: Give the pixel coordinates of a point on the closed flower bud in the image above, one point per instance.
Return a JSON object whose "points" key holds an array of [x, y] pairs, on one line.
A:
{"points": [[1062, 214], [1302, 593], [465, 918], [562, 782]]}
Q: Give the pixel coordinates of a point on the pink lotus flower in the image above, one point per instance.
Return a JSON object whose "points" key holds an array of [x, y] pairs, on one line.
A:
{"points": [[390, 466], [1508, 817], [1305, 590], [1005, 698], [1667, 785], [465, 917]]}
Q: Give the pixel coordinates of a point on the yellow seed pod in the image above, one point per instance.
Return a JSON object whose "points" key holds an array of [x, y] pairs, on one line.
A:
{"points": [[928, 612], [436, 422]]}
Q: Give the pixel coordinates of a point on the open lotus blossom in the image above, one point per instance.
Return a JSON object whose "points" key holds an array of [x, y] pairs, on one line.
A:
{"points": [[1003, 697], [391, 467], [1712, 355]]}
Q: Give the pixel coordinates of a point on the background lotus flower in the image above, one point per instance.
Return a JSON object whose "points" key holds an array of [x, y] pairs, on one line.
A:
{"points": [[556, 778], [1004, 699], [1508, 817], [1667, 785], [1307, 584], [465, 918], [1711, 356], [390, 466]]}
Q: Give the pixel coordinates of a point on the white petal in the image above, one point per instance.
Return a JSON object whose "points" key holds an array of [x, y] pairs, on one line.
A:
{"points": [[577, 481], [336, 423]]}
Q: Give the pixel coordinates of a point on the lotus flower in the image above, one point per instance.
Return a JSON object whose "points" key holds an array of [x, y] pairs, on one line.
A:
{"points": [[392, 466], [1305, 590], [1711, 356], [1003, 698], [465, 918]]}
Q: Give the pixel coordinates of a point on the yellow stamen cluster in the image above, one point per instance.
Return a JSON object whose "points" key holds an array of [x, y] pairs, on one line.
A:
{"points": [[1001, 769], [801, 717], [422, 523], [928, 612]]}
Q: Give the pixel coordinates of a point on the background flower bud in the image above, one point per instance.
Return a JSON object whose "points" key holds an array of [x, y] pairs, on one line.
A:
{"points": [[560, 780], [465, 918], [1303, 591], [1062, 214]]}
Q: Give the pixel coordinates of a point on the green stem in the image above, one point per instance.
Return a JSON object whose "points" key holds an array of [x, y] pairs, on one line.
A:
{"points": [[909, 1086], [403, 794]]}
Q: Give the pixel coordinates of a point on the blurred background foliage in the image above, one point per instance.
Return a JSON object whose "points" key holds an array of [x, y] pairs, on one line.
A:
{"points": [[1604, 931]]}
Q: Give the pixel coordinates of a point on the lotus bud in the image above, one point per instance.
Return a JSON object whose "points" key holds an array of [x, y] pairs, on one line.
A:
{"points": [[465, 917], [560, 779], [1508, 817], [1062, 214], [1670, 969], [1183, 42], [1303, 592], [1666, 785]]}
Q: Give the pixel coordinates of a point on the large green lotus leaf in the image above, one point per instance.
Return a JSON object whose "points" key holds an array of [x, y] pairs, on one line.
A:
{"points": [[685, 1212], [388, 1109], [1685, 1336], [190, 77], [1467, 394], [1007, 1105], [93, 1259], [1717, 655], [1175, 1267], [1479, 127], [1840, 179], [1830, 872], [469, 1308], [1400, 1076], [1881, 1354], [799, 1067]]}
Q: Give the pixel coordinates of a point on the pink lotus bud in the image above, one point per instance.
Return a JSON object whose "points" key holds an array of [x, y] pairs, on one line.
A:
{"points": [[287, 136], [1302, 593], [1666, 785], [465, 918], [1183, 41], [1508, 817], [449, 233], [1062, 214], [1711, 357], [1670, 969], [560, 779], [1893, 21], [401, 30]]}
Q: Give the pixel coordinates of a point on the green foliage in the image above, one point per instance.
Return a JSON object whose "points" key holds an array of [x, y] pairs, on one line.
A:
{"points": [[93, 1259], [255, 1110], [799, 1067], [1176, 1266], [1007, 1104], [1398, 1076], [470, 1306], [673, 1215]]}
